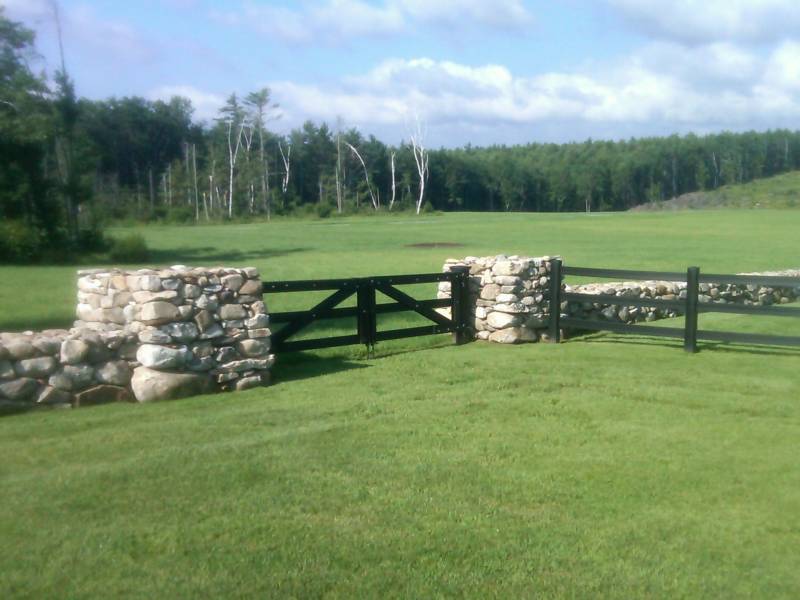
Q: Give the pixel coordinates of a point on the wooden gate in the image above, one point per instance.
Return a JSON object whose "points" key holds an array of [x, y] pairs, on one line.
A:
{"points": [[367, 309]]}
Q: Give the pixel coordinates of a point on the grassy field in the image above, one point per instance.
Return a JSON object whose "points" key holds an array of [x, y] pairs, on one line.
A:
{"points": [[780, 191], [602, 467], [38, 297]]}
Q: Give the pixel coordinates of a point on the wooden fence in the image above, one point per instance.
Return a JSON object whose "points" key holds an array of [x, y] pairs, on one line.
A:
{"points": [[690, 306]]}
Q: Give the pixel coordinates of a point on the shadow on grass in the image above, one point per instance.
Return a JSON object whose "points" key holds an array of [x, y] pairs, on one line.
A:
{"points": [[296, 366], [703, 346], [210, 254], [36, 324]]}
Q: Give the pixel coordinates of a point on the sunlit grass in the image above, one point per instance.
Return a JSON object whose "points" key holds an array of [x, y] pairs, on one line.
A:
{"points": [[607, 466]]}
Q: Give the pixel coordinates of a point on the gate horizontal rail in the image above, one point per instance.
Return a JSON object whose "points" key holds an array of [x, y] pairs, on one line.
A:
{"points": [[367, 309], [691, 307]]}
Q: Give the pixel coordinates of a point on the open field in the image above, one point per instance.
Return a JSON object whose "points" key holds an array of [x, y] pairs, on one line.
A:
{"points": [[780, 191], [602, 467], [721, 241]]}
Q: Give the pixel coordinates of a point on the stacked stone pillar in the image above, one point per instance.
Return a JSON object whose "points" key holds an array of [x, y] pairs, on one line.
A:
{"points": [[145, 335]]}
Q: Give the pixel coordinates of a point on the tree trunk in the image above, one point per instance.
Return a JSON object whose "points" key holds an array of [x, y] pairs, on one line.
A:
{"points": [[152, 190]]}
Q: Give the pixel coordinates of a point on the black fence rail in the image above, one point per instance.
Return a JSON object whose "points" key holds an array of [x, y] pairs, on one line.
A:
{"points": [[690, 306], [367, 309]]}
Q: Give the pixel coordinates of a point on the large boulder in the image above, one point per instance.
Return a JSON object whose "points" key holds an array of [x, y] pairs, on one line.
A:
{"points": [[36, 368], [74, 352], [162, 357], [73, 378], [114, 372], [150, 385], [6, 370], [19, 390], [501, 320], [514, 335], [159, 312], [251, 287], [232, 312], [20, 349], [253, 348]]}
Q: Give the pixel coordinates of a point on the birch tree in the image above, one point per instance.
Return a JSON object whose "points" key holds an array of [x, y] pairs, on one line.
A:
{"points": [[394, 182], [287, 164], [260, 103], [375, 204], [421, 158], [339, 173], [234, 120]]}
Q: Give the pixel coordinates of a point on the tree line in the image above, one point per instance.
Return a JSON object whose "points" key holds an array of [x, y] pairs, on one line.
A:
{"points": [[69, 164]]}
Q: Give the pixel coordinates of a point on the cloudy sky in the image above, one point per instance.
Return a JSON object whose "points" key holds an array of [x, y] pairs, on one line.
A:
{"points": [[477, 71]]}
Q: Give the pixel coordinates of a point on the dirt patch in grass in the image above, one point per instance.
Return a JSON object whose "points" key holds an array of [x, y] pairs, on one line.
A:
{"points": [[435, 245]]}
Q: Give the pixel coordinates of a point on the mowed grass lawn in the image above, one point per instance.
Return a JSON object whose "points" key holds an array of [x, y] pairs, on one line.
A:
{"points": [[601, 467]]}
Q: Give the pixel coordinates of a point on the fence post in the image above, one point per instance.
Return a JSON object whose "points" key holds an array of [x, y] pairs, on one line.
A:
{"points": [[367, 321], [692, 292], [555, 301], [460, 309]]}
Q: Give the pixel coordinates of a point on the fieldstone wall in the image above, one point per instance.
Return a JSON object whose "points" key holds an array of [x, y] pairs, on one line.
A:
{"points": [[509, 296], [60, 368], [714, 293], [144, 335]]}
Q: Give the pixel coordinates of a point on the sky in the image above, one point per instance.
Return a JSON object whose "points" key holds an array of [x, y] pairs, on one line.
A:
{"points": [[474, 72]]}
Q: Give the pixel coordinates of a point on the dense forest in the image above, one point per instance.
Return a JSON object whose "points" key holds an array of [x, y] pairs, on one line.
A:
{"points": [[68, 165]]}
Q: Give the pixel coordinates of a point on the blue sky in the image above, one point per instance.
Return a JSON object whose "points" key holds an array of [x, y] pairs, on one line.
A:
{"points": [[472, 71]]}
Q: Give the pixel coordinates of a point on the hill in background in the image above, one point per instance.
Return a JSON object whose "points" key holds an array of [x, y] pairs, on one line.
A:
{"points": [[780, 191]]}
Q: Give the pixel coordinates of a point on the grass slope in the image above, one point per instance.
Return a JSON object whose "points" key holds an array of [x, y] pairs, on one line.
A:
{"points": [[606, 466], [780, 191], [595, 468]]}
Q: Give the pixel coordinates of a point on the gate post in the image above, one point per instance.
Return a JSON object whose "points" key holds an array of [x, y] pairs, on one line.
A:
{"points": [[555, 301], [367, 320], [692, 293], [459, 307]]}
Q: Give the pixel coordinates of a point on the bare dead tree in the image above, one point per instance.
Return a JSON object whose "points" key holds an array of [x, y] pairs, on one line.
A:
{"points": [[339, 197], [188, 172], [375, 204], [233, 153], [260, 103], [287, 163], [194, 185], [394, 184], [421, 158]]}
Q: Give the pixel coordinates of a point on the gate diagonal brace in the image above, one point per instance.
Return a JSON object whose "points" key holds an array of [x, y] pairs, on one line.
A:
{"points": [[413, 304], [317, 312]]}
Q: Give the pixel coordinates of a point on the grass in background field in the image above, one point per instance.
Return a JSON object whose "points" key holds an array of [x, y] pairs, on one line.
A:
{"points": [[725, 241]]}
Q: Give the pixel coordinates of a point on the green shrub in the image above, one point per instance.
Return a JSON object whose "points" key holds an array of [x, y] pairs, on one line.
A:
{"points": [[324, 210], [92, 240], [20, 242], [130, 249]]}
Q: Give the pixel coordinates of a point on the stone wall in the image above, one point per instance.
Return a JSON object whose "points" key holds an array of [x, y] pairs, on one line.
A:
{"points": [[509, 296], [710, 293], [144, 335]]}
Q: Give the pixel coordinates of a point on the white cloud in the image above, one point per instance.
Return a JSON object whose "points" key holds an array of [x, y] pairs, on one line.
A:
{"points": [[702, 21], [783, 68], [334, 21], [27, 10], [504, 14], [84, 32], [638, 92]]}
